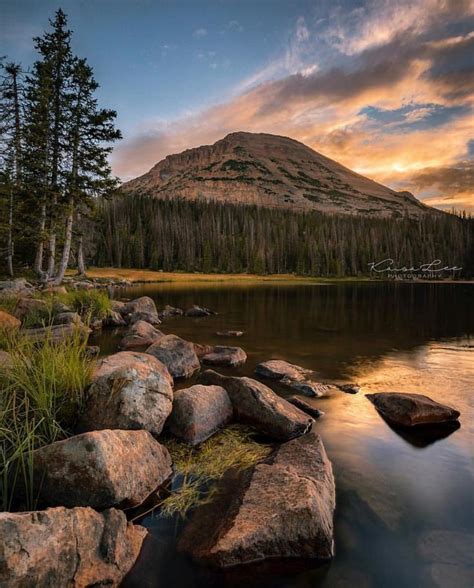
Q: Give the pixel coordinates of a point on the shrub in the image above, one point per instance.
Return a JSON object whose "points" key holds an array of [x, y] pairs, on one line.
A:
{"points": [[93, 304]]}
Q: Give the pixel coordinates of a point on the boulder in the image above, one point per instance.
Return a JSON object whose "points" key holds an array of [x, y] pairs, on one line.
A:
{"points": [[141, 309], [101, 469], [71, 548], [129, 391], [118, 306], [229, 333], [8, 322], [114, 319], [203, 349], [292, 376], [408, 410], [225, 356], [50, 289], [140, 334], [199, 412], [92, 351], [276, 369], [169, 311], [25, 306], [197, 311], [67, 318], [349, 388], [306, 387], [178, 355], [305, 407], [283, 508], [17, 285], [257, 405], [57, 333]]}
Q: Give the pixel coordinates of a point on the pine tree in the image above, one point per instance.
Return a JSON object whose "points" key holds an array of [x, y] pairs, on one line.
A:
{"points": [[89, 129], [11, 145]]}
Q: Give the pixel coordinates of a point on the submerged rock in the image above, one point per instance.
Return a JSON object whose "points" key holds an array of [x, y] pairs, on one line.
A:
{"points": [[408, 410], [169, 311], [178, 355], [282, 508], [225, 356], [8, 322], [305, 386], [305, 406], [230, 333], [197, 311], [140, 334], [101, 469], [257, 405], [71, 548], [292, 376], [199, 412], [130, 390], [141, 309]]}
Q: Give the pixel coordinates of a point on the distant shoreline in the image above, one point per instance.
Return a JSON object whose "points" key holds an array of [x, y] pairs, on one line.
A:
{"points": [[151, 276]]}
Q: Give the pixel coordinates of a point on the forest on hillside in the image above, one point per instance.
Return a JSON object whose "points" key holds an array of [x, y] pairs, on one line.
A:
{"points": [[143, 232]]}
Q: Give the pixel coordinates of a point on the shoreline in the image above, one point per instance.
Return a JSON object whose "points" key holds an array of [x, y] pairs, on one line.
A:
{"points": [[142, 276]]}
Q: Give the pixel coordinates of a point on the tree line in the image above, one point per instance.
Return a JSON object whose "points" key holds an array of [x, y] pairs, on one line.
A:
{"points": [[135, 230], [54, 145]]}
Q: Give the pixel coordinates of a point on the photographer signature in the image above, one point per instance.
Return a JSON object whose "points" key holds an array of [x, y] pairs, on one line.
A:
{"points": [[387, 265]]}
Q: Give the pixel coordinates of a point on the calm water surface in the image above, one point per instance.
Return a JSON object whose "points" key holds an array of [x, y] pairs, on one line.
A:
{"points": [[391, 490]]}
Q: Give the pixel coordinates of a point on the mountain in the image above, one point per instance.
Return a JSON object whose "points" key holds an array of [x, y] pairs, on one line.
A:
{"points": [[271, 171]]}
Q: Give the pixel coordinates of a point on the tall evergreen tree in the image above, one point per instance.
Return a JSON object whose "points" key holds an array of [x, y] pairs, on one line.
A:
{"points": [[89, 129], [11, 89]]}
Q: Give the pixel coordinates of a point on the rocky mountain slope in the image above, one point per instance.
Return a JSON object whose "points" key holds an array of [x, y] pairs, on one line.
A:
{"points": [[271, 171]]}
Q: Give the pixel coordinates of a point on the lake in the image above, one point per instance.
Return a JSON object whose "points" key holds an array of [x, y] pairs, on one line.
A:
{"points": [[393, 490]]}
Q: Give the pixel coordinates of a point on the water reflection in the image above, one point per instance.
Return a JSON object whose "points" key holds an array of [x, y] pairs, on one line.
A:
{"points": [[393, 487]]}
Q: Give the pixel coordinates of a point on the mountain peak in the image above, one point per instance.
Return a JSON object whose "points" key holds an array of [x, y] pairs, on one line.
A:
{"points": [[271, 171]]}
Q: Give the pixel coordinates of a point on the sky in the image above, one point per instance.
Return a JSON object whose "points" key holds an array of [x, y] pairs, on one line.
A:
{"points": [[385, 87]]}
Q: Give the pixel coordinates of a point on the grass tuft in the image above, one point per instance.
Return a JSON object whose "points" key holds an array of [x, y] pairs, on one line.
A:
{"points": [[199, 469], [41, 395]]}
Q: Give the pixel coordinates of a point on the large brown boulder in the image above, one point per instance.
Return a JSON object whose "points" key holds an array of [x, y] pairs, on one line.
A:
{"points": [[199, 412], [8, 322], [178, 355], [140, 334], [257, 405], [101, 469], [130, 390], [141, 309], [71, 548], [283, 508], [225, 356], [407, 410]]}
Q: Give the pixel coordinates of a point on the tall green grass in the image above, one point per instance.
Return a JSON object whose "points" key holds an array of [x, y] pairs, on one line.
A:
{"points": [[41, 395], [88, 303]]}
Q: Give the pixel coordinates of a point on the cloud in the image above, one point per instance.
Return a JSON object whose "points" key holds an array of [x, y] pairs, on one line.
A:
{"points": [[200, 33], [423, 72]]}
